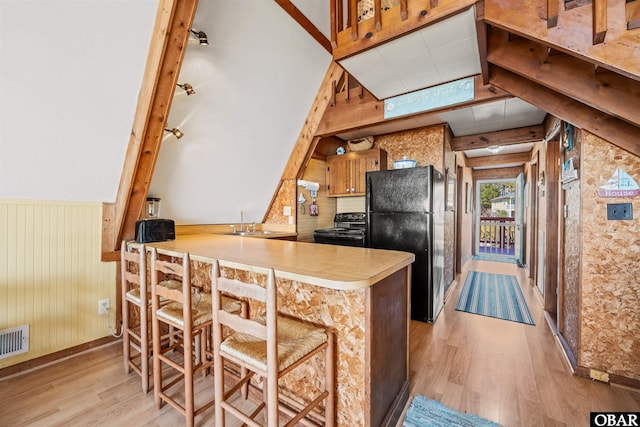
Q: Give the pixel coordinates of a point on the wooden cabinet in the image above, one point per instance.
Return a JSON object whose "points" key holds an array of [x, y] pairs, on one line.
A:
{"points": [[346, 172]]}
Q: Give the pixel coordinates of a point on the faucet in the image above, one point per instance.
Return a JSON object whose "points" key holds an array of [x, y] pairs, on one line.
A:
{"points": [[241, 221]]}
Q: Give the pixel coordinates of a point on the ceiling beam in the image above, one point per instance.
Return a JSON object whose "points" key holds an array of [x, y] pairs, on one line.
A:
{"points": [[481, 34], [497, 160], [607, 127], [368, 111], [304, 22], [608, 92], [168, 45], [504, 137]]}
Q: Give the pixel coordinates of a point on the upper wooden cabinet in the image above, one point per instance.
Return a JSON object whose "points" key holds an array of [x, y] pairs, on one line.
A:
{"points": [[346, 172]]}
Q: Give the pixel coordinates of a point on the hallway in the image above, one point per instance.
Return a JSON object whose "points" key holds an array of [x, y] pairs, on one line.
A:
{"points": [[504, 371], [508, 372]]}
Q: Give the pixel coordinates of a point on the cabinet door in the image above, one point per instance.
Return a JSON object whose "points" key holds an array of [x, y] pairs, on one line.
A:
{"points": [[359, 168], [338, 176]]}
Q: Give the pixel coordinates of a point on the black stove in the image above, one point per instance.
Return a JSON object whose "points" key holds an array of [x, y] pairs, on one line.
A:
{"points": [[348, 230]]}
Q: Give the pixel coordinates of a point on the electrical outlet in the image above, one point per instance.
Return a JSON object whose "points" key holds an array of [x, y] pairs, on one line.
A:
{"points": [[617, 211], [103, 306], [287, 211]]}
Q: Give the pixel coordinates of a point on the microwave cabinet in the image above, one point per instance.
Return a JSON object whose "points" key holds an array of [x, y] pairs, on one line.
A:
{"points": [[346, 172]]}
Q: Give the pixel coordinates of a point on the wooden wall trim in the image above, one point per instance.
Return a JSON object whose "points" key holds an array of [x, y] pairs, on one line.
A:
{"points": [[168, 45], [551, 236]]}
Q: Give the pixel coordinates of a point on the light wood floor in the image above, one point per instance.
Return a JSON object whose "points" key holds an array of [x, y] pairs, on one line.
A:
{"points": [[508, 372]]}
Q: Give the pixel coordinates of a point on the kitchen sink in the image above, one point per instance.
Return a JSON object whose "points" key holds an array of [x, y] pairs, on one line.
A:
{"points": [[248, 233]]}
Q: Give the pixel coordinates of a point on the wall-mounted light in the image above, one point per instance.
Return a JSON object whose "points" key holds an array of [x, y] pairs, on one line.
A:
{"points": [[201, 36], [176, 132], [494, 149], [186, 87]]}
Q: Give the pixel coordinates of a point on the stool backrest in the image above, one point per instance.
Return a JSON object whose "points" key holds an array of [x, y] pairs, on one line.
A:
{"points": [[243, 291], [178, 269], [129, 263]]}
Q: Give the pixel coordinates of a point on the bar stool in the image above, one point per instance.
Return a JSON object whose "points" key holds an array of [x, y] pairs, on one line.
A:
{"points": [[189, 311], [135, 334], [269, 346]]}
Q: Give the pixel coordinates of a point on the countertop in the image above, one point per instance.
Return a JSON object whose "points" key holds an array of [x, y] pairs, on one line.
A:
{"points": [[330, 266]]}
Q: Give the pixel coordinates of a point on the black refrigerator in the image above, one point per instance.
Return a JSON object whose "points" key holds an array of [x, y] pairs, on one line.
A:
{"points": [[405, 211]]}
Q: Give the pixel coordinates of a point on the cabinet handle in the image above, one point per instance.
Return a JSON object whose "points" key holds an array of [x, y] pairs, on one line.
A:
{"points": [[353, 190], [347, 190]]}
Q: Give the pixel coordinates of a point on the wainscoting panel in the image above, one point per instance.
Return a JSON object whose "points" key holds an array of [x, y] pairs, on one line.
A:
{"points": [[51, 276]]}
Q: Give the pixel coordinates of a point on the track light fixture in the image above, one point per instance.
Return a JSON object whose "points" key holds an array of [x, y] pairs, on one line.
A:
{"points": [[187, 88], [201, 36], [176, 132]]}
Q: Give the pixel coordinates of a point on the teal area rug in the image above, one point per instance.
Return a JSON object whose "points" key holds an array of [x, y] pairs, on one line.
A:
{"points": [[426, 412], [497, 258], [494, 295]]}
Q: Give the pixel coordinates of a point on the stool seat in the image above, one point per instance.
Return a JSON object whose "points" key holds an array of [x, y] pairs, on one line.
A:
{"points": [[134, 294], [200, 309], [296, 339]]}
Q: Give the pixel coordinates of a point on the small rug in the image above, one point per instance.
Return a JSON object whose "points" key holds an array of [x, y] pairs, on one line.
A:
{"points": [[494, 295], [496, 258], [425, 412]]}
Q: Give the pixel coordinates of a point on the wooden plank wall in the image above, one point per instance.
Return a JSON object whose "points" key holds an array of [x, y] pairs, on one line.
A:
{"points": [[51, 276]]}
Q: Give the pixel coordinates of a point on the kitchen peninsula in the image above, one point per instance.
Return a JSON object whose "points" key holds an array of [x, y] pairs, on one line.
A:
{"points": [[361, 294]]}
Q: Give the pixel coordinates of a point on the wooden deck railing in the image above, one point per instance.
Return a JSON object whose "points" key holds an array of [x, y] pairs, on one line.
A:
{"points": [[496, 234]]}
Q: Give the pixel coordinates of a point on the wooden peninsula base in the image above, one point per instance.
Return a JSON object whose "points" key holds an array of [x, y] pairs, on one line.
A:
{"points": [[361, 294]]}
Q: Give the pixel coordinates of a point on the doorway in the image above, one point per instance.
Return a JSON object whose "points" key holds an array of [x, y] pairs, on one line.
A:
{"points": [[494, 220]]}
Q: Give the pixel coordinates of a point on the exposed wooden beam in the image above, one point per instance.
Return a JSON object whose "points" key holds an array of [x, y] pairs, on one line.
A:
{"points": [[607, 127], [369, 111], [168, 45], [574, 36], [504, 137], [481, 32], [304, 22], [303, 148], [632, 13], [307, 141], [599, 22], [502, 159], [611, 93]]}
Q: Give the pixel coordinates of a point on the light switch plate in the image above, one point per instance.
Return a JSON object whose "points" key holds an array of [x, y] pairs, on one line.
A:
{"points": [[618, 211]]}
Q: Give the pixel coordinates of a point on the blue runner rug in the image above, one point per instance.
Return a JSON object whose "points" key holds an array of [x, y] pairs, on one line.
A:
{"points": [[494, 295], [425, 412]]}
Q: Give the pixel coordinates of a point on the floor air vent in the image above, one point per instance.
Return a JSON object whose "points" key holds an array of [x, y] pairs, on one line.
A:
{"points": [[14, 341]]}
